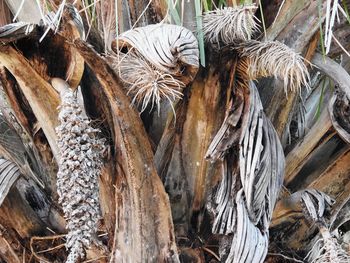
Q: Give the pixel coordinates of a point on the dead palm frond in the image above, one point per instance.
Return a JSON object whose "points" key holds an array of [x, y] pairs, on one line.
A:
{"points": [[160, 61], [252, 176], [333, 8], [316, 203], [273, 58], [327, 249], [230, 24], [146, 84]]}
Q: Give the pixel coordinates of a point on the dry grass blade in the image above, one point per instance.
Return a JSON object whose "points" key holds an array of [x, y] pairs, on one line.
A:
{"points": [[275, 59], [230, 24], [146, 84]]}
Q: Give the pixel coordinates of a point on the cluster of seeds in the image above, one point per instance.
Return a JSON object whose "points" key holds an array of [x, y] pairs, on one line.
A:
{"points": [[77, 179]]}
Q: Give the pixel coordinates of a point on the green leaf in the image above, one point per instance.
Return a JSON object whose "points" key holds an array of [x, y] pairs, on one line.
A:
{"points": [[200, 36], [205, 5], [173, 12], [319, 5], [346, 10], [320, 102], [222, 3], [262, 18]]}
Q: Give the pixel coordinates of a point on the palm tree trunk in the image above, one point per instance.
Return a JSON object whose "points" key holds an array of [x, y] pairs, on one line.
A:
{"points": [[157, 191]]}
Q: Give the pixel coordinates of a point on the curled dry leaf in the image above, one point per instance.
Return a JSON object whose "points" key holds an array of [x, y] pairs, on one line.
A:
{"points": [[160, 61], [167, 47], [249, 243], [230, 24], [273, 58], [316, 203]]}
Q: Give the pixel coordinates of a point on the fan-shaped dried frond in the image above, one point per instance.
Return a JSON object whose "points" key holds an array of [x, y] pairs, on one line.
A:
{"points": [[146, 84], [261, 162], [273, 58], [79, 168], [223, 205], [161, 60], [169, 48], [230, 24]]}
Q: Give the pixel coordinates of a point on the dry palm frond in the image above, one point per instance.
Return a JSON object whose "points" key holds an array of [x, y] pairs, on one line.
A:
{"points": [[106, 20], [273, 58], [230, 24], [333, 8], [327, 249], [161, 60], [146, 84], [252, 178], [250, 243], [316, 203]]}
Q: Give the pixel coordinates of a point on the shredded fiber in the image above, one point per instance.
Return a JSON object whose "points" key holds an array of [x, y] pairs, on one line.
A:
{"points": [[147, 85], [273, 58], [230, 24], [327, 249]]}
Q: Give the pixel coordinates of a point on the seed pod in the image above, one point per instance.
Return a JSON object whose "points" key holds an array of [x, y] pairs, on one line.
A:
{"points": [[77, 178]]}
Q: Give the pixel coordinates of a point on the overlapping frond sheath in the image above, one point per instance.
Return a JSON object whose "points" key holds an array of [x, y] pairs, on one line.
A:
{"points": [[230, 24], [77, 179], [273, 58]]}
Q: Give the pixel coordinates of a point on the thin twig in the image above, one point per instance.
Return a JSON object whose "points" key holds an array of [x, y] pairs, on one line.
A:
{"points": [[94, 259], [86, 7], [41, 259], [50, 249], [211, 253], [143, 12], [48, 237], [285, 257], [341, 46]]}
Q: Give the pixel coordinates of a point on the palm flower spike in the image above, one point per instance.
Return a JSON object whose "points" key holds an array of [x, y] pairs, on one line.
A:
{"points": [[79, 165]]}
